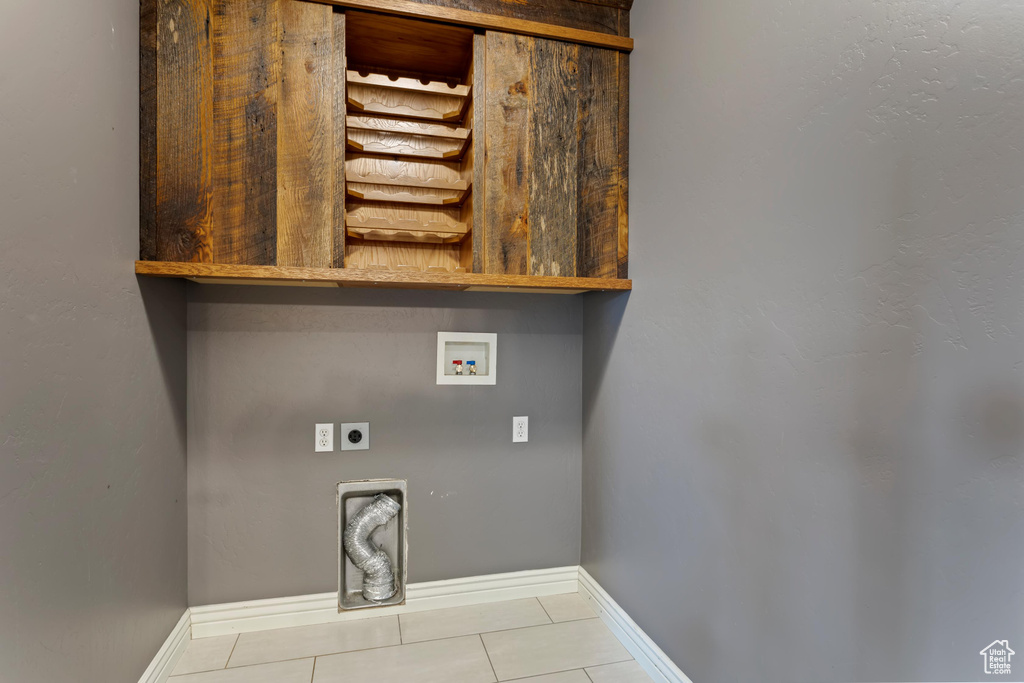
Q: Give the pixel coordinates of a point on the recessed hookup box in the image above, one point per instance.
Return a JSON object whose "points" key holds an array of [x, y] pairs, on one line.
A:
{"points": [[372, 543]]}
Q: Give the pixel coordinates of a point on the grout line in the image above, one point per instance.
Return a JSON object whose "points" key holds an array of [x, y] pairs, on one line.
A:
{"points": [[320, 623], [553, 673], [546, 613], [487, 654], [233, 646], [565, 671], [249, 666], [313, 674], [587, 674], [500, 630], [362, 649], [401, 639]]}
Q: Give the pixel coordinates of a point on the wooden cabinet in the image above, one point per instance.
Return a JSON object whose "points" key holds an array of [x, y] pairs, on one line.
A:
{"points": [[386, 142]]}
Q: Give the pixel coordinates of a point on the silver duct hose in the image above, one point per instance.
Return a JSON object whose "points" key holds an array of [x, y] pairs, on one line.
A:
{"points": [[378, 579]]}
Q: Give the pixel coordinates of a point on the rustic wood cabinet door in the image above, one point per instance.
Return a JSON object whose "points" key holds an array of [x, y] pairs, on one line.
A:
{"points": [[242, 146], [554, 120]]}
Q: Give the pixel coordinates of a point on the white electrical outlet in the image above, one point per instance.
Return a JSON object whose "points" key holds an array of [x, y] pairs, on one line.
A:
{"points": [[520, 429], [355, 436], [324, 438]]}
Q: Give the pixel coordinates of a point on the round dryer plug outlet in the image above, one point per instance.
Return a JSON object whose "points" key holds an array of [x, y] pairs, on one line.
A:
{"points": [[355, 436]]}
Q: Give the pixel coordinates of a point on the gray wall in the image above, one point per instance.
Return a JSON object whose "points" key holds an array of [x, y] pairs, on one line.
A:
{"points": [[92, 362], [803, 433], [267, 364]]}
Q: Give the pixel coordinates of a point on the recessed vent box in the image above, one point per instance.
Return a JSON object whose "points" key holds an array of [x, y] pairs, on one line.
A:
{"points": [[354, 497]]}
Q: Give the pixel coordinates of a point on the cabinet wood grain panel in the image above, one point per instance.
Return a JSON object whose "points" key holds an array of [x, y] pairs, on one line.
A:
{"points": [[247, 74], [597, 234], [624, 20], [305, 142], [619, 4], [479, 125], [507, 141], [340, 68], [553, 158], [147, 130], [184, 122], [623, 170], [552, 174]]}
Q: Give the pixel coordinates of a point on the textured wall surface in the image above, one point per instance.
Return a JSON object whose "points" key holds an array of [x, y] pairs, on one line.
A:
{"points": [[267, 364], [92, 362], [803, 433]]}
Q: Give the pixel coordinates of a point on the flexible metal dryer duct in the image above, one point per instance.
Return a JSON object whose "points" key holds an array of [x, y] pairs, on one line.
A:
{"points": [[378, 578]]}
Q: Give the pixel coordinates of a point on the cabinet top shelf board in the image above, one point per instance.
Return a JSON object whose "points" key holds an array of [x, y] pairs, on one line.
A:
{"points": [[482, 20], [353, 277]]}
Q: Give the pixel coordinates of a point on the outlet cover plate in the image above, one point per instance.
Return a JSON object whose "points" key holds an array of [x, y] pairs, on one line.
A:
{"points": [[324, 441], [355, 436], [520, 429]]}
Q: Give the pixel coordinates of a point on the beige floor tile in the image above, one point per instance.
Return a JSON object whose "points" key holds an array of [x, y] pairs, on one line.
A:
{"points": [[568, 607], [205, 654], [463, 621], [623, 672], [310, 641], [575, 676], [455, 660], [295, 671], [555, 647]]}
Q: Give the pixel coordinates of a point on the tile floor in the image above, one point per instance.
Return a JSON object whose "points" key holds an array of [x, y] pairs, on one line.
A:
{"points": [[555, 639]]}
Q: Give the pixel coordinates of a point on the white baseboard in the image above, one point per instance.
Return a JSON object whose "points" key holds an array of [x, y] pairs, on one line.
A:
{"points": [[653, 660], [305, 610], [169, 653]]}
